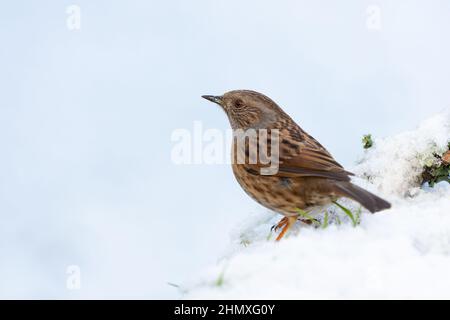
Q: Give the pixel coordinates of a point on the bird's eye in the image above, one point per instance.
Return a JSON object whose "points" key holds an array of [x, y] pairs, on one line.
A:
{"points": [[239, 103]]}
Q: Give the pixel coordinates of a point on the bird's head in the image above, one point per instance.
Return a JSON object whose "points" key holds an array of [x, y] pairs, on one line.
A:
{"points": [[248, 109]]}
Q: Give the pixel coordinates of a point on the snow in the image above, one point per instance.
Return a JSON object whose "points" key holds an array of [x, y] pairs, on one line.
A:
{"points": [[403, 252], [395, 164]]}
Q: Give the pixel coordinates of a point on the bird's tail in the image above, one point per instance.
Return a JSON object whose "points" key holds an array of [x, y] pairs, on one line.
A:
{"points": [[368, 200]]}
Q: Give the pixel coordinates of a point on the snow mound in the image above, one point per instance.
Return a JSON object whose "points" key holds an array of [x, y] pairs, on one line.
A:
{"points": [[395, 164], [403, 252]]}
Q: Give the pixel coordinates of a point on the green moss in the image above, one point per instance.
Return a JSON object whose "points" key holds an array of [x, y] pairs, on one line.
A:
{"points": [[437, 171], [367, 141]]}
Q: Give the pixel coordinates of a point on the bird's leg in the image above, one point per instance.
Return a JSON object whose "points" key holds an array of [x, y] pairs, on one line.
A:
{"points": [[287, 223], [309, 222]]}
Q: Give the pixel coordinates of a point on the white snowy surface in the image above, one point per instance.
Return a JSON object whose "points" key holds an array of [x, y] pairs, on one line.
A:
{"points": [[403, 252]]}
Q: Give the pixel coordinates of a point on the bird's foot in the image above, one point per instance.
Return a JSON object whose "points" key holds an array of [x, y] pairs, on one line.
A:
{"points": [[283, 221], [279, 225], [285, 224]]}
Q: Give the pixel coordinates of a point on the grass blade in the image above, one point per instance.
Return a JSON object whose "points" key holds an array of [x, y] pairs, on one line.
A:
{"points": [[325, 221], [347, 212]]}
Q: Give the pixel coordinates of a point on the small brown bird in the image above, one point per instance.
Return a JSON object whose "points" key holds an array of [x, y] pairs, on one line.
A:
{"points": [[307, 176]]}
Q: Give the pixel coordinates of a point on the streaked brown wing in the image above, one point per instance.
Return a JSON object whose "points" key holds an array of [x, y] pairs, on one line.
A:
{"points": [[308, 162], [306, 158]]}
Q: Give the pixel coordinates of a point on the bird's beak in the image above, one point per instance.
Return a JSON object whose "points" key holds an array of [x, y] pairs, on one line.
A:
{"points": [[215, 99]]}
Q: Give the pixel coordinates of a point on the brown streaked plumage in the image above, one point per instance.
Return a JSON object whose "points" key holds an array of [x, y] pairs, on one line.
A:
{"points": [[307, 176]]}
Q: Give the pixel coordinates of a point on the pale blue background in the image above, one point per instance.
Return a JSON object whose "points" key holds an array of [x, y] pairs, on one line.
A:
{"points": [[86, 118]]}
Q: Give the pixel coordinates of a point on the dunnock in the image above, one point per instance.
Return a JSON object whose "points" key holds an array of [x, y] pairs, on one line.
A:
{"points": [[306, 176]]}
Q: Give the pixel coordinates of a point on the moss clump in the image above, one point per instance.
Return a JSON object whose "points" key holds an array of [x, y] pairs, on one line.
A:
{"points": [[439, 170], [367, 141]]}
